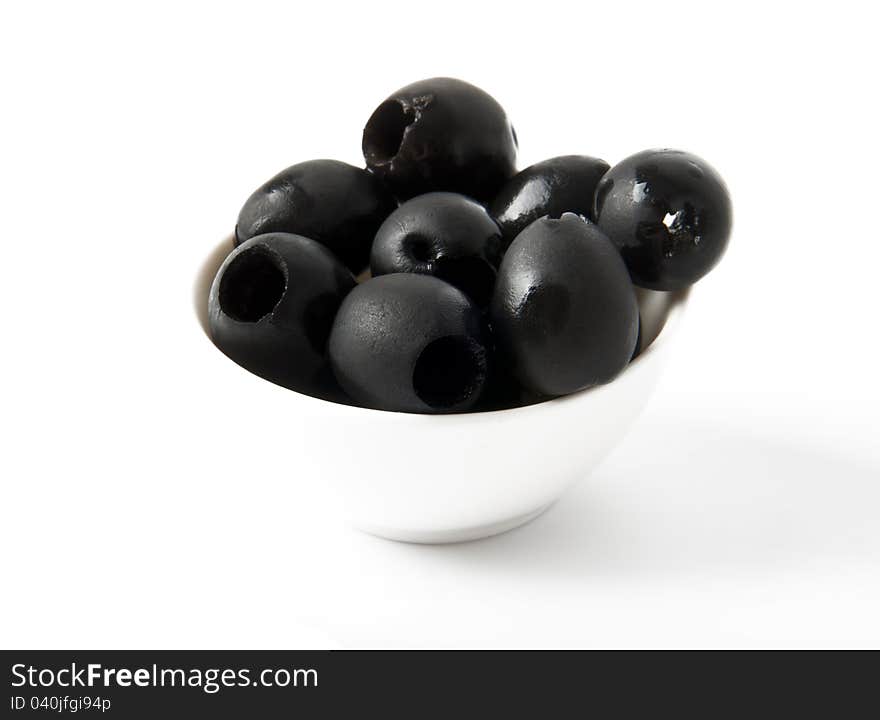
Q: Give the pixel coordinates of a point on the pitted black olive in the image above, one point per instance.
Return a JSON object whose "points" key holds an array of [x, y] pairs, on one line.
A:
{"points": [[410, 343], [443, 234], [272, 306], [552, 187], [440, 134], [564, 312], [504, 392], [331, 202], [669, 214]]}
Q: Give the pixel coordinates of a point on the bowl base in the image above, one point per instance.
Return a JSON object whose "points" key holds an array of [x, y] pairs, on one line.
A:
{"points": [[442, 537]]}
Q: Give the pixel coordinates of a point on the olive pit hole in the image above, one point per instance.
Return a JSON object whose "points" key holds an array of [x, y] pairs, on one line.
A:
{"points": [[383, 134], [252, 285], [449, 371], [419, 247]]}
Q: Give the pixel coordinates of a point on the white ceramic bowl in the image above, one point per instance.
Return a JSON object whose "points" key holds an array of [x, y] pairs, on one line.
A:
{"points": [[450, 478]]}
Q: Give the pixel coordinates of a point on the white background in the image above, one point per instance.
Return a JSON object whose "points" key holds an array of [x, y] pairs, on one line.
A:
{"points": [[743, 508]]}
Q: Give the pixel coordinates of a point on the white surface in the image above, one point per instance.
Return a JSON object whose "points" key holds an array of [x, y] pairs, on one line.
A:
{"points": [[742, 509]]}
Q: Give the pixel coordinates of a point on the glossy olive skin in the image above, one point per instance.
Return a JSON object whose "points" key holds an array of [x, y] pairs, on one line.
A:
{"points": [[551, 187], [669, 214], [440, 134], [331, 202], [272, 306], [443, 234], [409, 343], [564, 311]]}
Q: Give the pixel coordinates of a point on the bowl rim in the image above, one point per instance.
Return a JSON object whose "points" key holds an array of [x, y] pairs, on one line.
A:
{"points": [[210, 264]]}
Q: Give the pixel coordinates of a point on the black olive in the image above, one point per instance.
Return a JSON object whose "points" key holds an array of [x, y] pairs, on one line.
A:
{"points": [[552, 187], [331, 202], [564, 311], [410, 343], [504, 392], [669, 214], [442, 234], [272, 306], [441, 134]]}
